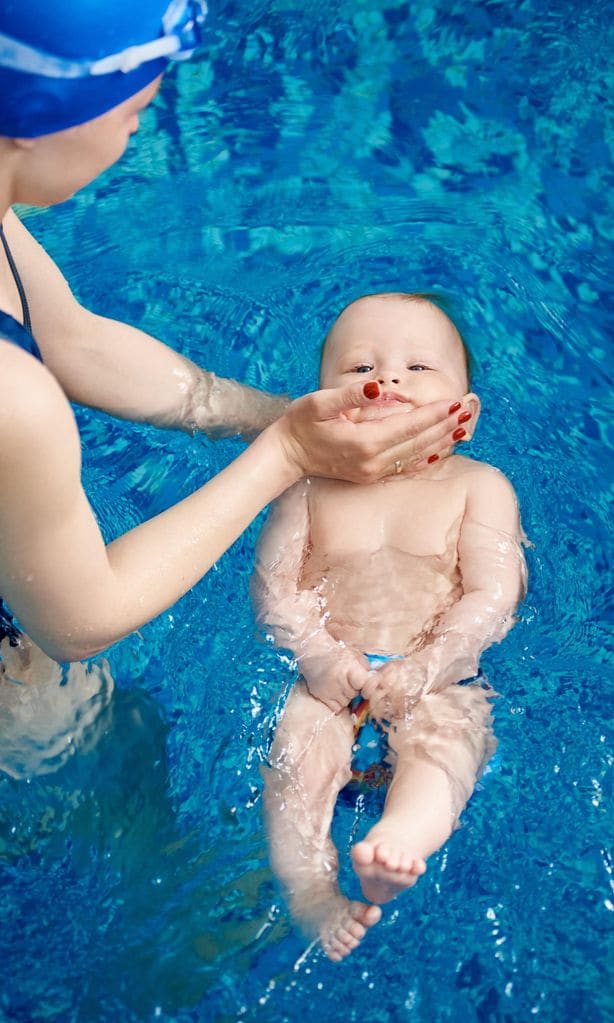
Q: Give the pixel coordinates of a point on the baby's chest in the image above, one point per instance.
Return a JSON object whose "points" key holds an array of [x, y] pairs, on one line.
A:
{"points": [[411, 515]]}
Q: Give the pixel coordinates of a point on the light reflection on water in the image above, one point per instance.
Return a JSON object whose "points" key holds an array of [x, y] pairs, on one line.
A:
{"points": [[326, 162]]}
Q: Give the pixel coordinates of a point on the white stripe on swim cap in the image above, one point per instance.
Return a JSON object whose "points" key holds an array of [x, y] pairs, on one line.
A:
{"points": [[18, 56]]}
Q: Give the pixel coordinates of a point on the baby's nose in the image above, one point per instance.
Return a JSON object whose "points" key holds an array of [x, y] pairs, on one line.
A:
{"points": [[388, 376]]}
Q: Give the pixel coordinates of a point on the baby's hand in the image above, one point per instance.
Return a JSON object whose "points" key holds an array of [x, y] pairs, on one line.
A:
{"points": [[335, 678], [392, 691]]}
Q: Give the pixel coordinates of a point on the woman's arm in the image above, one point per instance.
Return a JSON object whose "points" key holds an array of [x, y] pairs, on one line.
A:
{"points": [[123, 371], [74, 595], [296, 618]]}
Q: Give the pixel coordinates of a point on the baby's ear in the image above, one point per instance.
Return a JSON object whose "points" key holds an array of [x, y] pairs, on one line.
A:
{"points": [[471, 403]]}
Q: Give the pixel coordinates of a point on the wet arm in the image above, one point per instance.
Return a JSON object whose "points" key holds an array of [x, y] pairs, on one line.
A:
{"points": [[494, 576], [494, 581], [123, 371], [73, 595], [294, 617]]}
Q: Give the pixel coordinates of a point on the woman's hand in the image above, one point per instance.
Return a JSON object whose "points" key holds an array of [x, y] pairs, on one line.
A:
{"points": [[319, 440], [335, 678]]}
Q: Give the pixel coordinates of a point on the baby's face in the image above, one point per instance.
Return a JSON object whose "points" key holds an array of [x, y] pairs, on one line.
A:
{"points": [[410, 348]]}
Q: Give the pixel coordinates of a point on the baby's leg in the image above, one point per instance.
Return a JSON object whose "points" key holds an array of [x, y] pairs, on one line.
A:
{"points": [[310, 763], [438, 755]]}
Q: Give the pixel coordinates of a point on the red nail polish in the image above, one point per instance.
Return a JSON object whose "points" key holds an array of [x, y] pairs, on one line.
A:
{"points": [[454, 408], [464, 417], [371, 390], [432, 458], [459, 434]]}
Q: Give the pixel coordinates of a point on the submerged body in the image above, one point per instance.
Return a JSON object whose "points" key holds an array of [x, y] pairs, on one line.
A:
{"points": [[427, 571], [385, 576]]}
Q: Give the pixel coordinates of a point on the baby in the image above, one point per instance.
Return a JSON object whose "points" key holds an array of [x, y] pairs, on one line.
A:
{"points": [[391, 591]]}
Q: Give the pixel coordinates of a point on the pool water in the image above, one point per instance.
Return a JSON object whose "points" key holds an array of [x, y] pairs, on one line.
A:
{"points": [[316, 152]]}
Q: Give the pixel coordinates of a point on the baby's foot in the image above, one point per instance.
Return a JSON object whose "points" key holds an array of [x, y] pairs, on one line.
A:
{"points": [[346, 926], [340, 924], [384, 870]]}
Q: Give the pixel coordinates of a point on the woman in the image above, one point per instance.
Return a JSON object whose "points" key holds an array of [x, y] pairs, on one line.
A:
{"points": [[73, 78]]}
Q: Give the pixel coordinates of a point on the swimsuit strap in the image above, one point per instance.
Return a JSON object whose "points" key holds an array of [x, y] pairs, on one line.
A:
{"points": [[22, 337], [27, 322], [7, 625]]}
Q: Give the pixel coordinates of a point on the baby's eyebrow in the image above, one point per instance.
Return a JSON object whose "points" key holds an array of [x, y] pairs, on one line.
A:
{"points": [[362, 355]]}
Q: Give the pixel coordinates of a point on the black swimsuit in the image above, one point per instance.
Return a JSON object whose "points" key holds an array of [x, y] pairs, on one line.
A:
{"points": [[11, 330]]}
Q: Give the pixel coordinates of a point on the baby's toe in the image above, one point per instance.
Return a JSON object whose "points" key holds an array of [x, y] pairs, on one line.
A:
{"points": [[346, 939], [389, 857], [406, 863], [356, 930]]}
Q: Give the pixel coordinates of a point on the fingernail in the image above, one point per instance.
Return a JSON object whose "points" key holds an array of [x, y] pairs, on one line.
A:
{"points": [[464, 417], [454, 408], [371, 390], [459, 434], [432, 458]]}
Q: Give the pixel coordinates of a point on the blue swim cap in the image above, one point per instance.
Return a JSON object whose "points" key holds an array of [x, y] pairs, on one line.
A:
{"points": [[64, 62]]}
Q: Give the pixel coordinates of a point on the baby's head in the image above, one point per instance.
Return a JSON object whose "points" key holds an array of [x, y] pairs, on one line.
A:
{"points": [[408, 345]]}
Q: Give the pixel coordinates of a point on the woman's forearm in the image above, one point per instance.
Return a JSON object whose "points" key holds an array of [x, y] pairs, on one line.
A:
{"points": [[119, 369], [192, 535], [88, 596]]}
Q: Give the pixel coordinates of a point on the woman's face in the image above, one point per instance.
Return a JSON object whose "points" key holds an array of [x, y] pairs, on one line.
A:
{"points": [[53, 167]]}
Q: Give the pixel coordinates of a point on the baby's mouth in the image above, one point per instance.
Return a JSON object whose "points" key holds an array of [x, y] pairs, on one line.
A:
{"points": [[382, 408], [392, 398]]}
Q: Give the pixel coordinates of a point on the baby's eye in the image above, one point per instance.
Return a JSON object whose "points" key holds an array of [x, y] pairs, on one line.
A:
{"points": [[363, 368], [417, 367]]}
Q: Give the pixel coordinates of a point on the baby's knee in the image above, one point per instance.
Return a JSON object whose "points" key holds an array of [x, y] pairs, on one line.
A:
{"points": [[305, 751]]}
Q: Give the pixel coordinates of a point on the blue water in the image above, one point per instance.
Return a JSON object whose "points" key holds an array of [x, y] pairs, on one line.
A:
{"points": [[319, 151]]}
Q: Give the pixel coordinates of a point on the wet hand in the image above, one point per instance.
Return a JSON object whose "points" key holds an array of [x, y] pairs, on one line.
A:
{"points": [[394, 689], [318, 439], [335, 678]]}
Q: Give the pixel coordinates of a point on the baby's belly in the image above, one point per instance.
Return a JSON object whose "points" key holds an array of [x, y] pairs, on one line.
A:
{"points": [[387, 604]]}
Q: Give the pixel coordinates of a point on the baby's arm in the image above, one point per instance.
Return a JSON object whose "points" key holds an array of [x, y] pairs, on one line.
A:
{"points": [[494, 578], [493, 572], [295, 617]]}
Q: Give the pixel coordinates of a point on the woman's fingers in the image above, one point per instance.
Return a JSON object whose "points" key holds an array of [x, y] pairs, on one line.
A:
{"points": [[426, 432], [321, 441]]}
